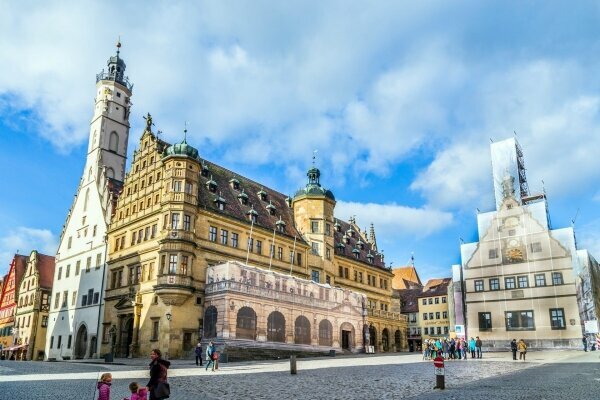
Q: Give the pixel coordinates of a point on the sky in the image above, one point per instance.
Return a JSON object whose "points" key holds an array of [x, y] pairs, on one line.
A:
{"points": [[400, 99]]}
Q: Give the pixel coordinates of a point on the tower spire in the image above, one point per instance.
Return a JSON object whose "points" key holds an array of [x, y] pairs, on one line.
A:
{"points": [[372, 239]]}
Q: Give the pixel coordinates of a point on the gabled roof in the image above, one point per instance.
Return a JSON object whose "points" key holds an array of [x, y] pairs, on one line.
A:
{"points": [[436, 287], [46, 270], [406, 278], [409, 299]]}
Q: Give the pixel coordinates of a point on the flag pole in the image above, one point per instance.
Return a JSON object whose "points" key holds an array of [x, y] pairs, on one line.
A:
{"points": [[293, 254], [248, 244], [272, 249]]}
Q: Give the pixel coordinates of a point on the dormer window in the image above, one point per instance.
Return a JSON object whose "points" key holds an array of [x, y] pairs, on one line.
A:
{"points": [[350, 232], [205, 171], [370, 257], [234, 183], [337, 226], [262, 195], [346, 239], [243, 198], [211, 185], [280, 225], [220, 202], [341, 247], [271, 208], [252, 215], [288, 201], [360, 244], [356, 252]]}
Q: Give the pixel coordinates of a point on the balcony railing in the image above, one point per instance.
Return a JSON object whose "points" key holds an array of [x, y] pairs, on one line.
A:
{"points": [[177, 234], [174, 280], [267, 293]]}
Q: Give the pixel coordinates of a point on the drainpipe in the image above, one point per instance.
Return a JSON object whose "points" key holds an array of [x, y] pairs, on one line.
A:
{"points": [[100, 308]]}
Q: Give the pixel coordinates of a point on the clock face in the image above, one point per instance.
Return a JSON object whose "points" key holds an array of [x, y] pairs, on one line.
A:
{"points": [[513, 243], [511, 222], [514, 254]]}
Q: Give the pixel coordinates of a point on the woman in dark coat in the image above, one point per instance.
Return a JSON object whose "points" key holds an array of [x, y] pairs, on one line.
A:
{"points": [[158, 373]]}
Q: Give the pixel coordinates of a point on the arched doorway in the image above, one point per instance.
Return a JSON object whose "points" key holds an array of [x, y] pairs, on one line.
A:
{"points": [[385, 339], [210, 322], [246, 324], [372, 335], [276, 327], [302, 330], [93, 343], [126, 336], [398, 339], [347, 336], [325, 333], [81, 342]]}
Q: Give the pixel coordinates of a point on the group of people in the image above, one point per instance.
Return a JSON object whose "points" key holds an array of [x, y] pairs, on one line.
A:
{"points": [[519, 346], [157, 386], [452, 349], [212, 356]]}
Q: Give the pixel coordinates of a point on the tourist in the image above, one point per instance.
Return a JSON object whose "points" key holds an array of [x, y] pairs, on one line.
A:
{"points": [[584, 340], [452, 349], [104, 386], [522, 347], [158, 385], [445, 349], [137, 392], [210, 349], [472, 347], [513, 348], [426, 350], [478, 344], [199, 355], [464, 348]]}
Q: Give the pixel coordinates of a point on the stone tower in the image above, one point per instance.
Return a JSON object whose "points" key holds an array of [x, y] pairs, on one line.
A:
{"points": [[76, 313]]}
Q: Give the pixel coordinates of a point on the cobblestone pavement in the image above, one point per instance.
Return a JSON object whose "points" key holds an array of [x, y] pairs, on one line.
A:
{"points": [[573, 375]]}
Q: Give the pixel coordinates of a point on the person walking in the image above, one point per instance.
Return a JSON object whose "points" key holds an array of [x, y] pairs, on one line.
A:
{"points": [[158, 385], [199, 354], [513, 348], [452, 349], [522, 347], [478, 344], [104, 386], [472, 347], [585, 340], [210, 349]]}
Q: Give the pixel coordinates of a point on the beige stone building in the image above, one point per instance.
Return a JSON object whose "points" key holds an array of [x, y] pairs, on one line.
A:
{"points": [[179, 214], [434, 310], [519, 279], [31, 316]]}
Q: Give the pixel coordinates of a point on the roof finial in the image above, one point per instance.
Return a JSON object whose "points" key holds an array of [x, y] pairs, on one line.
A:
{"points": [[314, 157], [118, 45], [185, 133]]}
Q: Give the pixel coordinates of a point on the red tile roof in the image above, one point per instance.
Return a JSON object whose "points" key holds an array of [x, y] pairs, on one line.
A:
{"points": [[46, 270]]}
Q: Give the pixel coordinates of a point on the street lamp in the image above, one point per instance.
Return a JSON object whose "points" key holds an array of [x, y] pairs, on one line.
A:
{"points": [[169, 316]]}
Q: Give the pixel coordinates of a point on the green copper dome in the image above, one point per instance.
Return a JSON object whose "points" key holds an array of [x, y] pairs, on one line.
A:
{"points": [[181, 149], [313, 187]]}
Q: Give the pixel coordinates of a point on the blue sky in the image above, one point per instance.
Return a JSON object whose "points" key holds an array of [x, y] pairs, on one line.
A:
{"points": [[401, 100]]}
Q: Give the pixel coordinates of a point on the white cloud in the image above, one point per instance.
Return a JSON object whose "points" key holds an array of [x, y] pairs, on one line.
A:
{"points": [[393, 221], [24, 240]]}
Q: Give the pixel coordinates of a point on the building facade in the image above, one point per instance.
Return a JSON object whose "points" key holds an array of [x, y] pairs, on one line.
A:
{"points": [[12, 344], [519, 279], [178, 215], [31, 316], [588, 292], [434, 310], [77, 302], [408, 286]]}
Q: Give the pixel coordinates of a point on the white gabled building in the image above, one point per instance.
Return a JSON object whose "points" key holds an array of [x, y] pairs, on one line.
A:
{"points": [[79, 277]]}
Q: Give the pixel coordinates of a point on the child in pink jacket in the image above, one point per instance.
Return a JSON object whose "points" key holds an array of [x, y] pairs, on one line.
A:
{"points": [[137, 392], [104, 386]]}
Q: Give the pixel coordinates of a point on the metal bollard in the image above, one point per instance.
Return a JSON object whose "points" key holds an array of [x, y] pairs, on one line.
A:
{"points": [[293, 365], [438, 370]]}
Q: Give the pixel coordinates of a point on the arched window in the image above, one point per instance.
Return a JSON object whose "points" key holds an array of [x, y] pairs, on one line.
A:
{"points": [[86, 199], [210, 322], [276, 327], [113, 141], [110, 173], [302, 330], [398, 339], [325, 333], [372, 335], [246, 324]]}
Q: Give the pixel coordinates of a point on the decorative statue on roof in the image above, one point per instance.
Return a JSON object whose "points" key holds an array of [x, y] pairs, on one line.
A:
{"points": [[149, 123]]}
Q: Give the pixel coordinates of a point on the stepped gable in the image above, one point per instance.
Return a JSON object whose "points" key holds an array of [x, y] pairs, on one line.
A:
{"points": [[351, 245], [46, 270], [233, 207]]}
